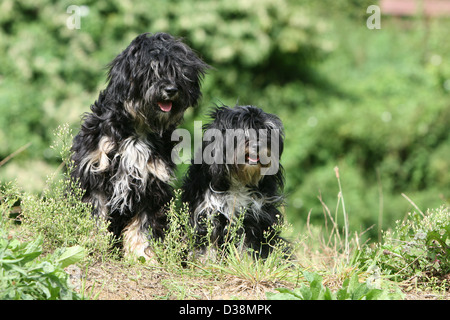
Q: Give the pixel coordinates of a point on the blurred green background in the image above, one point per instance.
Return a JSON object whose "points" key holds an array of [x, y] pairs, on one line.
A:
{"points": [[375, 103]]}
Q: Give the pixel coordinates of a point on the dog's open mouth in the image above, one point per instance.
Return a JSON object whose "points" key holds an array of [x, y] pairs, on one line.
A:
{"points": [[256, 160], [165, 106], [252, 159]]}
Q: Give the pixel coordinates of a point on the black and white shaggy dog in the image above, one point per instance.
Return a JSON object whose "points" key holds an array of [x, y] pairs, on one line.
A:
{"points": [[122, 154], [244, 177]]}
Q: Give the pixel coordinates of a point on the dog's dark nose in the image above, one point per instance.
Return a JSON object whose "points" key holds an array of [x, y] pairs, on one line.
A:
{"points": [[171, 90]]}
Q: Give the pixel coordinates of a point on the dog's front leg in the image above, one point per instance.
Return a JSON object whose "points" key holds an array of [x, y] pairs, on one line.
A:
{"points": [[135, 238]]}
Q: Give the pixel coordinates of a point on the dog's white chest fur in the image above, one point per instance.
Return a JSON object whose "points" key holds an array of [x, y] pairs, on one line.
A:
{"points": [[136, 169], [230, 203]]}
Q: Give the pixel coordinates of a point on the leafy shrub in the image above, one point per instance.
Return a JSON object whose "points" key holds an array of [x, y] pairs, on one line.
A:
{"points": [[63, 220], [60, 70], [418, 247], [24, 277], [382, 119]]}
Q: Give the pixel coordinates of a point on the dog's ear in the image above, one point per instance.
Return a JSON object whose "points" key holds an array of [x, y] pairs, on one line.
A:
{"points": [[273, 184], [273, 122], [219, 177], [119, 76], [122, 70], [213, 148]]}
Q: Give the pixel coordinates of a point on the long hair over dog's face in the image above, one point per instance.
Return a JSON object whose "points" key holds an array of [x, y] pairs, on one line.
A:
{"points": [[251, 143], [157, 78]]}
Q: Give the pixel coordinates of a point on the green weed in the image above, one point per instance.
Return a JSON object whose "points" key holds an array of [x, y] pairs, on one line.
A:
{"points": [[23, 276], [351, 289], [178, 246], [418, 247]]}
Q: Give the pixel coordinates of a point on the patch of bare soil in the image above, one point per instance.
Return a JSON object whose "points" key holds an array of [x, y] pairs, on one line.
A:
{"points": [[116, 281]]}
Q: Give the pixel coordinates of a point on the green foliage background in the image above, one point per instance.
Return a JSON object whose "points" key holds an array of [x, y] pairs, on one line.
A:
{"points": [[373, 102]]}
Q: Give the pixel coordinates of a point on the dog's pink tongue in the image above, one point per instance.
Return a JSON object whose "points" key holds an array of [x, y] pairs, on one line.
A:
{"points": [[165, 106], [253, 159]]}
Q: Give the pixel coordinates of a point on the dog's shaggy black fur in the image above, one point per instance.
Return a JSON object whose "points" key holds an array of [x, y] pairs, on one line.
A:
{"points": [[122, 154], [218, 193]]}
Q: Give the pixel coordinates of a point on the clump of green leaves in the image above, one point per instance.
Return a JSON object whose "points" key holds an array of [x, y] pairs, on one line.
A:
{"points": [[25, 277], [418, 247], [351, 289]]}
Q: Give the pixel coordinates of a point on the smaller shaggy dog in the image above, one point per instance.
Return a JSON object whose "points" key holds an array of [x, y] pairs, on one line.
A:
{"points": [[122, 154], [233, 184]]}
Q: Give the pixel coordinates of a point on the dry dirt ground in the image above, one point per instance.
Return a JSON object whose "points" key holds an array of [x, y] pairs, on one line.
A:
{"points": [[111, 281], [118, 282]]}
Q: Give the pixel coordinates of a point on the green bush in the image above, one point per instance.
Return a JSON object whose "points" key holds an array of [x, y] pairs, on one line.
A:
{"points": [[54, 73], [382, 120], [63, 220]]}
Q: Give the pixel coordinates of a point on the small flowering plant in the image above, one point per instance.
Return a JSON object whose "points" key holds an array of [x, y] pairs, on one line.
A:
{"points": [[418, 247]]}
